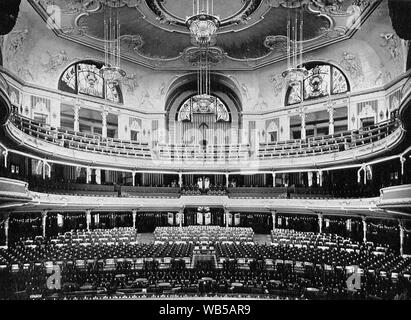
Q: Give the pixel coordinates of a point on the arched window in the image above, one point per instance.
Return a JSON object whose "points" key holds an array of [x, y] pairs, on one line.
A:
{"points": [[322, 80], [192, 105], [84, 78]]}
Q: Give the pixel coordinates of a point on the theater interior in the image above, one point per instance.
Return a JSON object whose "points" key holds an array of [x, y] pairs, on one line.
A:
{"points": [[205, 148]]}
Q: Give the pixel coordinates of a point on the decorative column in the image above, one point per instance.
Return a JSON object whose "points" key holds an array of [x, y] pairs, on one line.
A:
{"points": [[274, 179], [134, 178], [402, 160], [134, 214], [181, 214], [330, 110], [348, 225], [44, 169], [88, 175], [60, 220], [76, 110], [274, 215], [5, 154], [320, 223], [363, 168], [364, 230], [401, 237], [226, 180], [104, 123], [6, 229], [88, 218], [310, 178], [226, 212], [98, 176], [320, 178], [43, 222], [180, 179], [303, 130], [97, 219]]}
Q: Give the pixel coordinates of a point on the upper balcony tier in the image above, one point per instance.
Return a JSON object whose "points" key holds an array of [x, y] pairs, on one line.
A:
{"points": [[90, 149]]}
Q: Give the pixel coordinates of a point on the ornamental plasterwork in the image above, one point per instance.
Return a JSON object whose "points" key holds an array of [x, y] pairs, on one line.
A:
{"points": [[392, 44], [55, 61], [351, 63], [278, 83], [213, 55], [342, 17]]}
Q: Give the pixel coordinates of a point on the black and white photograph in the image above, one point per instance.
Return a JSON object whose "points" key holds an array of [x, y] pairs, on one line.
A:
{"points": [[205, 155]]}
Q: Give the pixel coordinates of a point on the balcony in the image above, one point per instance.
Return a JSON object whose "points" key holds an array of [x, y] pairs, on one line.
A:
{"points": [[320, 151]]}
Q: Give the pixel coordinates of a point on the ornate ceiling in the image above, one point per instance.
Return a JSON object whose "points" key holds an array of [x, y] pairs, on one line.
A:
{"points": [[251, 35]]}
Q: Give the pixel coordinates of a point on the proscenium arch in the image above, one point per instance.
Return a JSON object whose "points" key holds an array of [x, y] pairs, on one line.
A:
{"points": [[221, 86]]}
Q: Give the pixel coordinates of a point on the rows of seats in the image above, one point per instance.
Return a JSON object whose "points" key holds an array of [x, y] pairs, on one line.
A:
{"points": [[80, 140], [203, 234], [327, 144], [298, 147], [112, 262]]}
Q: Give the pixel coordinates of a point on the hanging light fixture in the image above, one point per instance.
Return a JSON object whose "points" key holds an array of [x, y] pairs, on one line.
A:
{"points": [[295, 72], [203, 26], [111, 71]]}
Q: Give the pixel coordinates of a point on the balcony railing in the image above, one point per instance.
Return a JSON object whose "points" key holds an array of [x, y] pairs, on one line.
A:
{"points": [[334, 143]]}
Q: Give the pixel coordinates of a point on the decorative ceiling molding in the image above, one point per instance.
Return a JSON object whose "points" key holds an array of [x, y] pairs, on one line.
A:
{"points": [[214, 55], [337, 20]]}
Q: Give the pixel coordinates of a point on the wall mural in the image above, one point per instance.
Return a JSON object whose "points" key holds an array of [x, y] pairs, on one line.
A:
{"points": [[278, 83], [55, 61], [352, 64], [131, 82], [260, 105], [14, 54], [383, 77], [391, 43]]}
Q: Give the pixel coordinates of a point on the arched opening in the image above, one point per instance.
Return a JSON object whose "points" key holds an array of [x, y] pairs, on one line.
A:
{"points": [[322, 80], [188, 124], [84, 77]]}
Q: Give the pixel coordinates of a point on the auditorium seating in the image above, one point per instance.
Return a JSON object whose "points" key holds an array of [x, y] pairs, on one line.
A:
{"points": [[203, 234], [347, 140], [81, 141], [106, 263]]}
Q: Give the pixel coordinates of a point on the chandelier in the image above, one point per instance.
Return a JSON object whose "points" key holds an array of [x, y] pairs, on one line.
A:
{"points": [[111, 71], [203, 26], [295, 71]]}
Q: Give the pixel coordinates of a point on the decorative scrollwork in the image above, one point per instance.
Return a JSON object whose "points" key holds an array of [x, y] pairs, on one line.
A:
{"points": [[213, 55]]}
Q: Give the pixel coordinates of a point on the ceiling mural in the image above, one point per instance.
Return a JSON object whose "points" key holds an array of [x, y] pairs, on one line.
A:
{"points": [[251, 35]]}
